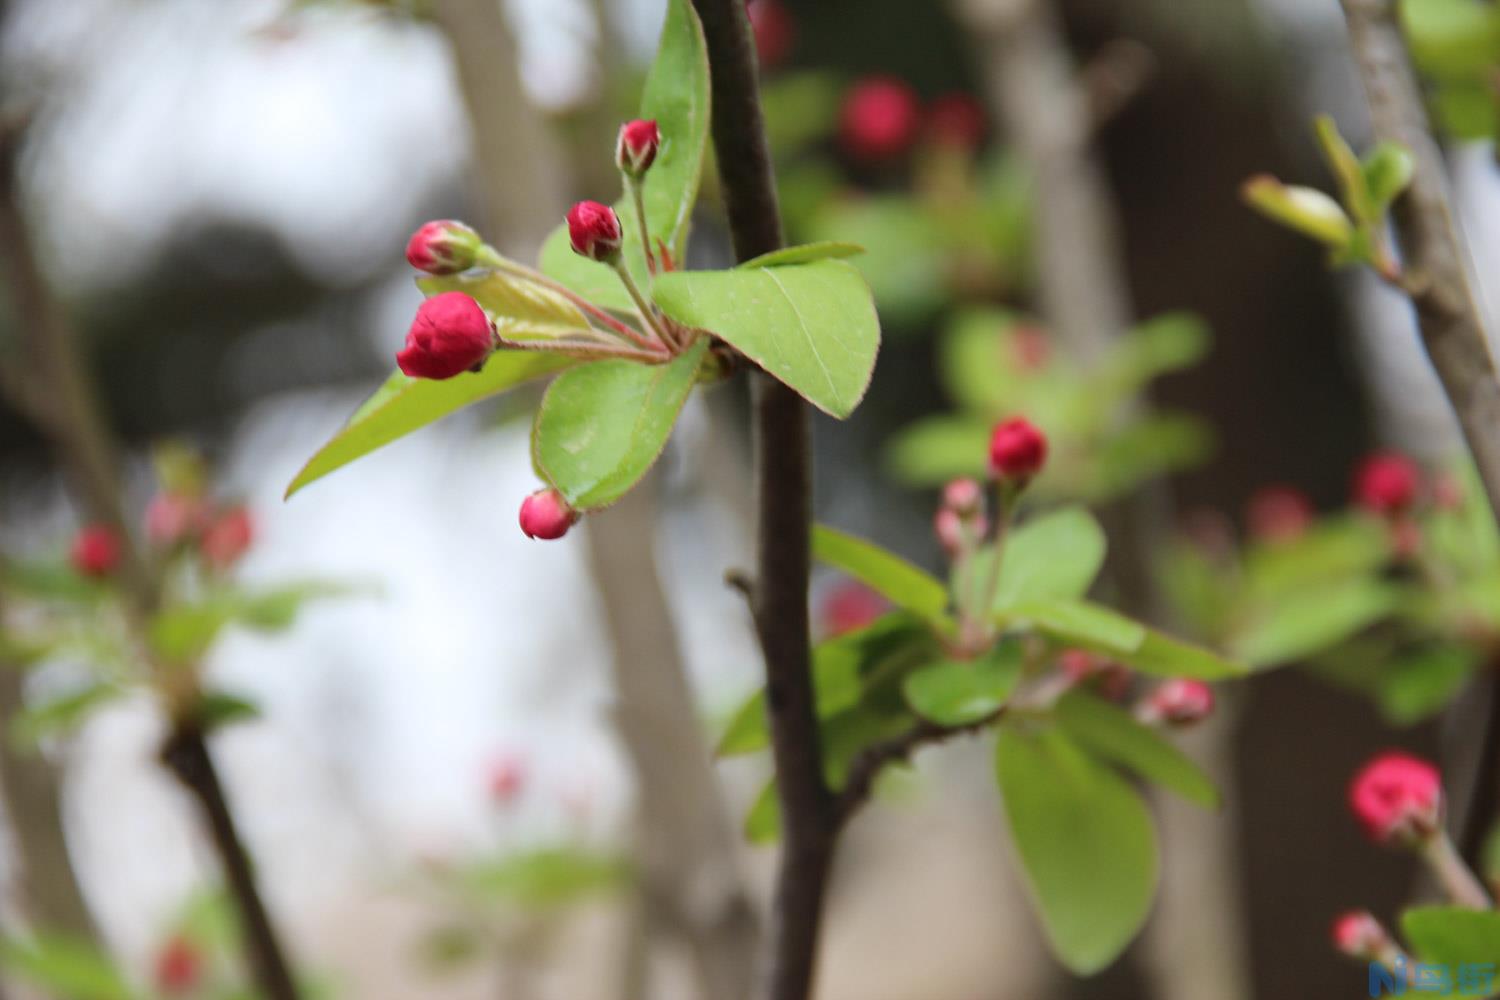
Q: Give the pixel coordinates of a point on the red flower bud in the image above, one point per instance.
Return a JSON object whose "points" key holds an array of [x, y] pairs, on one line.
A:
{"points": [[507, 778], [774, 30], [850, 606], [96, 551], [1078, 664], [444, 246], [635, 149], [1018, 450], [179, 967], [451, 334], [1386, 483], [594, 230], [964, 497], [1180, 702], [546, 515], [879, 119], [1359, 935], [1398, 798], [1278, 514], [227, 538], [956, 120], [172, 518]]}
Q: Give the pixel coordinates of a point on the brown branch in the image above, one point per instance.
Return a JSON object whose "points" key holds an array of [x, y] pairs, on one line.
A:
{"points": [[1435, 261], [870, 761], [783, 460]]}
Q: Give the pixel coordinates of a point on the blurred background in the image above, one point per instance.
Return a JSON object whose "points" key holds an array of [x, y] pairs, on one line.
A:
{"points": [[458, 763]]}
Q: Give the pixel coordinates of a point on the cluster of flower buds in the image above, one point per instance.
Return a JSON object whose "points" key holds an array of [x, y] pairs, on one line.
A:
{"points": [[1181, 701], [881, 118], [960, 522], [1389, 485], [179, 521]]}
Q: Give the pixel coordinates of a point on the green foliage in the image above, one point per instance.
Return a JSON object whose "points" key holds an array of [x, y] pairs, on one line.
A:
{"points": [[1098, 629], [1113, 734], [1456, 45], [1453, 936], [811, 325], [1052, 557], [1085, 842], [962, 692], [602, 425], [903, 584], [65, 967], [63, 714], [182, 632], [805, 253], [545, 878]]}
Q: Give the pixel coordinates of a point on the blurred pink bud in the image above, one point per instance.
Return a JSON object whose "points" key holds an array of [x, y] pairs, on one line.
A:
{"points": [[507, 779], [179, 967], [1386, 483], [1398, 798], [1180, 702], [1359, 935], [957, 120], [228, 537], [775, 31], [849, 606], [1278, 514], [172, 519], [879, 118], [96, 551], [1031, 347]]}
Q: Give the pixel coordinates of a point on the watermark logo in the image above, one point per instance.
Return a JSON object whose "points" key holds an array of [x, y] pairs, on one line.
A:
{"points": [[1467, 979]]}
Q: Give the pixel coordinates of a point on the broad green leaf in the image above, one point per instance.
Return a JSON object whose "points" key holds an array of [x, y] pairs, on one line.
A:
{"points": [[1330, 552], [1085, 842], [800, 107], [979, 360], [1163, 656], [812, 326], [936, 449], [960, 692], [1452, 39], [521, 309], [1112, 733], [1466, 110], [276, 609], [903, 584], [1408, 685], [1306, 622], [1388, 169], [1079, 623], [403, 405], [602, 425], [907, 259], [1052, 557], [52, 581], [60, 714], [1450, 935], [1166, 343], [1307, 210], [181, 633], [676, 96], [1150, 445], [65, 967], [805, 253]]}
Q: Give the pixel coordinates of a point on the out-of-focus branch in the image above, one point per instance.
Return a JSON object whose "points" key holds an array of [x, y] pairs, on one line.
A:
{"points": [[870, 761], [1435, 267]]}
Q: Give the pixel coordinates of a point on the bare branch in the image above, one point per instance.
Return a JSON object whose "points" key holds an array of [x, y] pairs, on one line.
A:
{"points": [[870, 761]]}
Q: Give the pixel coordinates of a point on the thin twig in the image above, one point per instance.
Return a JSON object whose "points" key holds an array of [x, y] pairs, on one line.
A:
{"points": [[870, 761], [783, 459]]}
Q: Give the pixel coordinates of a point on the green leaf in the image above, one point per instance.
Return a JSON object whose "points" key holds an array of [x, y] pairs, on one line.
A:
{"points": [[903, 584], [1052, 557], [1408, 685], [276, 609], [218, 708], [1307, 210], [547, 877], [676, 96], [403, 405], [65, 967], [907, 263], [1163, 656], [813, 326], [1085, 842], [936, 449], [763, 821], [602, 425], [1450, 935], [1387, 169], [1330, 552], [806, 253], [1306, 622], [1114, 734], [1163, 344], [960, 692], [1079, 623], [61, 714], [1346, 168], [1452, 39], [521, 309]]}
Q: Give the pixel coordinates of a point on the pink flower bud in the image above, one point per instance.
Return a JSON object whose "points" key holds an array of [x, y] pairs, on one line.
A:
{"points": [[546, 515], [1278, 514], [635, 149], [964, 497], [774, 30], [879, 118], [1359, 935], [1398, 798], [507, 778], [850, 606], [956, 120], [228, 538], [1030, 348], [1078, 664], [96, 551], [450, 335], [594, 230], [948, 526], [179, 967], [1018, 450], [1386, 483], [173, 518], [444, 246], [1180, 702]]}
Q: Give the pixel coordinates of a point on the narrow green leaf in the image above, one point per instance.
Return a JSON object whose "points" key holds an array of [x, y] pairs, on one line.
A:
{"points": [[935, 449], [1306, 622], [763, 821], [1346, 168], [219, 708], [1164, 656], [813, 326], [1450, 935], [1052, 557], [676, 96], [1112, 733], [546, 877], [1307, 210], [960, 692], [602, 425], [60, 714], [1079, 623], [903, 584], [806, 253], [65, 967], [836, 682], [1085, 841], [403, 405]]}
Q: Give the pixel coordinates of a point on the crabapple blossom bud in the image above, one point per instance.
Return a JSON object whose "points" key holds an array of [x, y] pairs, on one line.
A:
{"points": [[948, 526], [179, 967], [635, 149], [1386, 483], [964, 497], [173, 518], [95, 551], [850, 606], [227, 538], [1180, 702], [1278, 514], [451, 334], [1359, 935], [507, 778], [879, 118], [1030, 348], [1078, 664], [594, 230], [546, 515], [1018, 450], [956, 120], [774, 30], [443, 246], [1398, 798]]}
